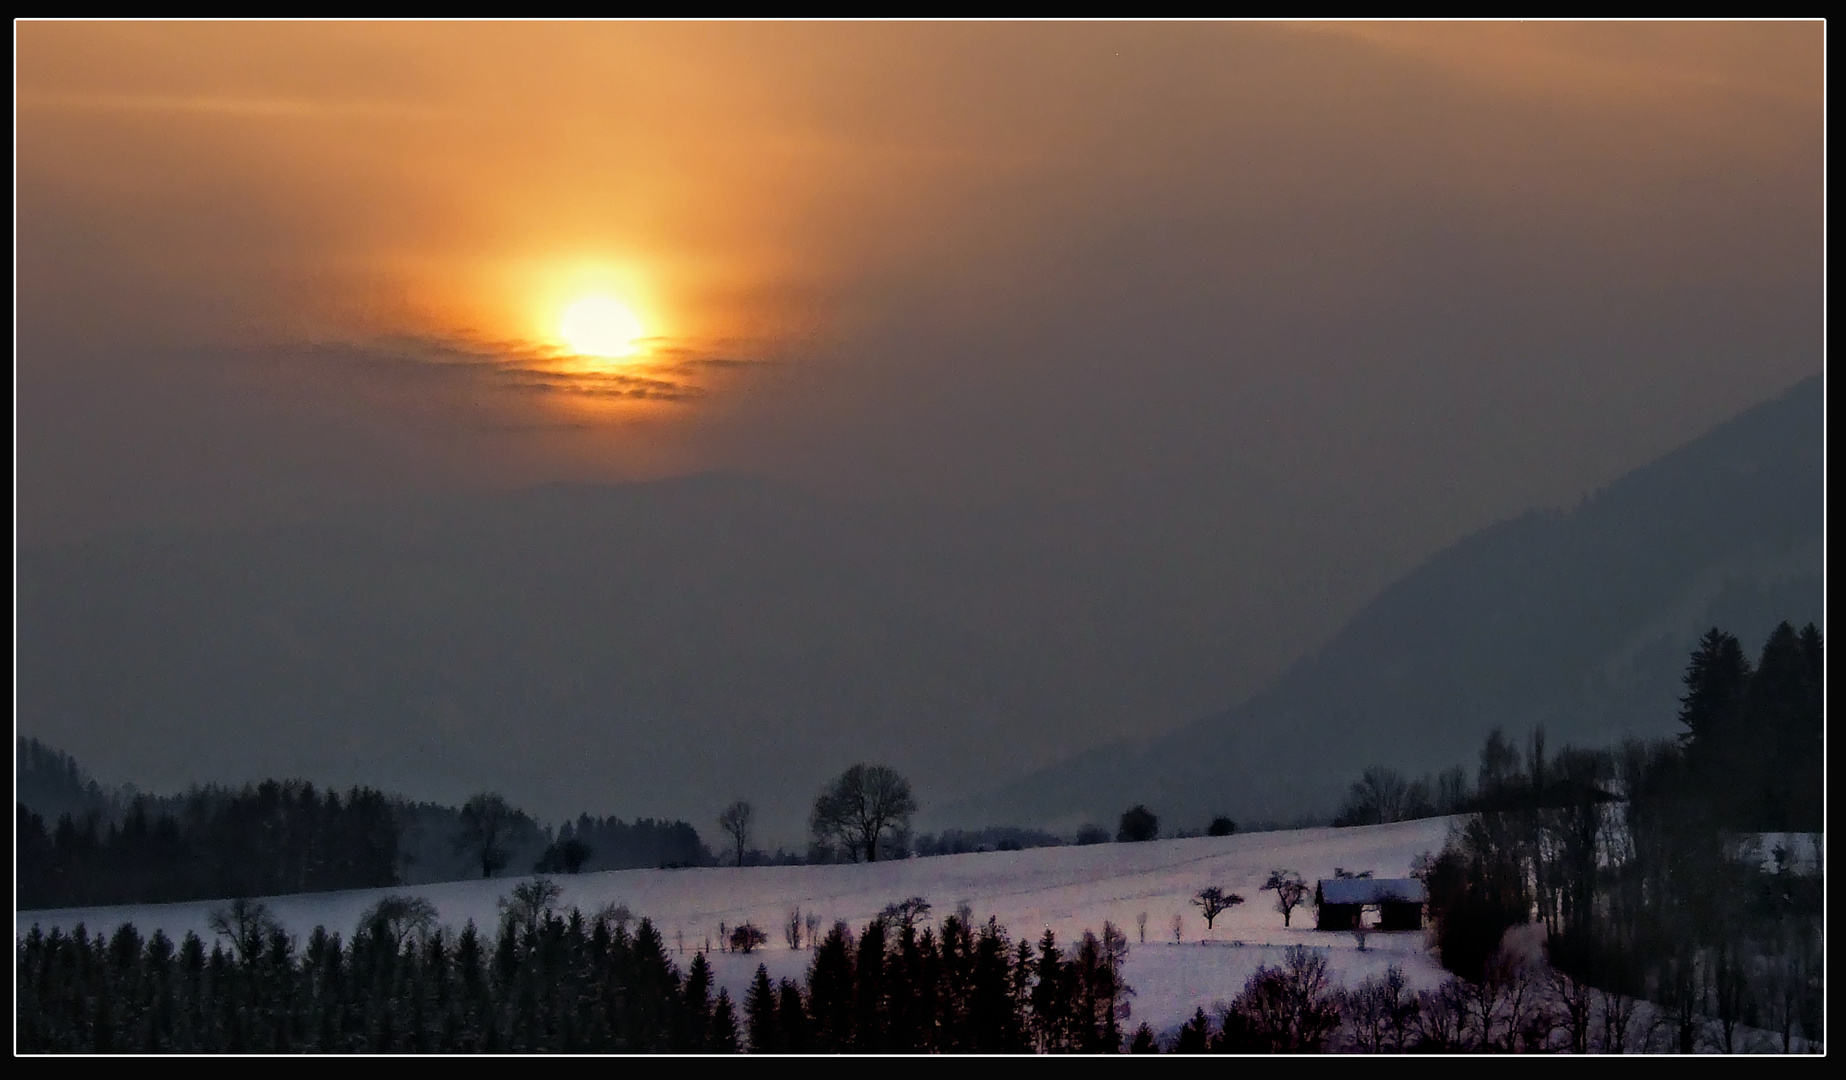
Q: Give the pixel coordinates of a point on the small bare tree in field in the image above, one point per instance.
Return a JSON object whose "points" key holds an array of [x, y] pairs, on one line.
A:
{"points": [[1141, 922], [1214, 902], [905, 914], [791, 929], [1290, 890], [1179, 927]]}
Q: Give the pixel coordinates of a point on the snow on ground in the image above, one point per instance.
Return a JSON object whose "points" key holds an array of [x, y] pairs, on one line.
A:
{"points": [[1068, 889]]}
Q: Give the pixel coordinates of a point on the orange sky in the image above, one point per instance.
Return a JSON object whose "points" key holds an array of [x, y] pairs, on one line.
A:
{"points": [[1188, 338], [779, 202]]}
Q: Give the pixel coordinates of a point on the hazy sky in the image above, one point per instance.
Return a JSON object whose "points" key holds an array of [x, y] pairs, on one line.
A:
{"points": [[1454, 270], [1307, 301]]}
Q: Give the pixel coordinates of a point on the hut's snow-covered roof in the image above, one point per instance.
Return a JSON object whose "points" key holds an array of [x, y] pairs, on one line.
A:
{"points": [[1371, 891]]}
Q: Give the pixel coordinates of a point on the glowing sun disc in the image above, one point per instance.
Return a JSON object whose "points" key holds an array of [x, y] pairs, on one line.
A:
{"points": [[599, 326]]}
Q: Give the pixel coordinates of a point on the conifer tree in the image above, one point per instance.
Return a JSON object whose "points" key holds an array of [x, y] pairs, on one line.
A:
{"points": [[760, 1015], [1052, 998], [832, 992], [1716, 680], [696, 1012], [723, 1037], [872, 1003], [791, 1019], [1194, 1035], [994, 994]]}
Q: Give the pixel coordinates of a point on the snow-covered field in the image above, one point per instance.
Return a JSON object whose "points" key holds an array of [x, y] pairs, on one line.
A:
{"points": [[1068, 889]]}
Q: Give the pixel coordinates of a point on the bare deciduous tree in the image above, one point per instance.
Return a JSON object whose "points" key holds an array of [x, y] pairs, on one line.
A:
{"points": [[486, 822], [735, 821], [1285, 1009], [1618, 1011], [1381, 1013], [1290, 890], [1381, 795], [399, 918], [905, 914], [1441, 1017], [1214, 902], [531, 903], [247, 923], [1575, 999], [615, 914], [860, 807]]}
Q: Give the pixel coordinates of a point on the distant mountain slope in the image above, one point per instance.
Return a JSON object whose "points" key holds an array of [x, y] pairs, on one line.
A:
{"points": [[663, 648], [1579, 621]]}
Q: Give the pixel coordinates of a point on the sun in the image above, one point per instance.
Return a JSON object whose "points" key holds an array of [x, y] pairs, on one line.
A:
{"points": [[600, 326]]}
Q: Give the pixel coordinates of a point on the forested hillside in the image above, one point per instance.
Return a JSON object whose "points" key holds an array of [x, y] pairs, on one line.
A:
{"points": [[1575, 621]]}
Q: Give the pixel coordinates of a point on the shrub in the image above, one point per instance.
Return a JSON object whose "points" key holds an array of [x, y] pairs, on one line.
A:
{"points": [[746, 937], [1138, 824]]}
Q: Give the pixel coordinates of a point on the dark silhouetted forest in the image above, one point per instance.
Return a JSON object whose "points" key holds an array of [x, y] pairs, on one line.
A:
{"points": [[118, 846], [549, 981], [1682, 872]]}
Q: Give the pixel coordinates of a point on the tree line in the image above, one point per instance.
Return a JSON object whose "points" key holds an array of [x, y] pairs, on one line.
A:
{"points": [[1752, 739], [1644, 867], [288, 836], [554, 981], [266, 839]]}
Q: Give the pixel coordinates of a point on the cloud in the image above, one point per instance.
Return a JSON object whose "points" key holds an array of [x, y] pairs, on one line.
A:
{"points": [[666, 372]]}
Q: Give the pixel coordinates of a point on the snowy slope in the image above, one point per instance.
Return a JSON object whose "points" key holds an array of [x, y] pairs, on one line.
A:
{"points": [[1068, 889]]}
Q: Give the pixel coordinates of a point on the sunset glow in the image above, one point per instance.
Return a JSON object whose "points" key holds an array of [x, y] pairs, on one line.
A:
{"points": [[600, 326], [625, 429]]}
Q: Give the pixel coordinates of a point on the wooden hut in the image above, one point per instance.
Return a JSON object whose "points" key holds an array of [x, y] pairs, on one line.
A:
{"points": [[1341, 902]]}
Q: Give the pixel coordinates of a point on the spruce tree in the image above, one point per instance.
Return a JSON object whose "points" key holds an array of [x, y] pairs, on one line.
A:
{"points": [[723, 1037], [1802, 749], [832, 992], [1194, 1035], [791, 1019], [760, 1013], [872, 1002], [1716, 739], [1143, 1041], [1052, 998], [696, 1014]]}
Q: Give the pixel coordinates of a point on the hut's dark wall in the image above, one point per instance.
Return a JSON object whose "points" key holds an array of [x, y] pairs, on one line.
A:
{"points": [[1403, 915], [1338, 916]]}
